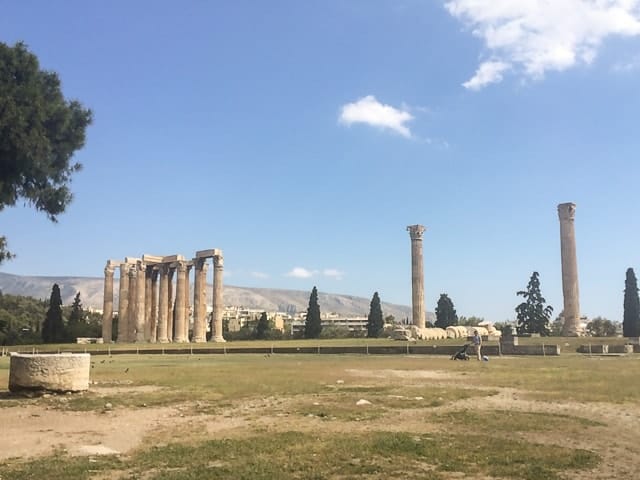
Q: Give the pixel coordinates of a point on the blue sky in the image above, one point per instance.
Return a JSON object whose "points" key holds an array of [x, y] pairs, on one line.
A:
{"points": [[302, 138]]}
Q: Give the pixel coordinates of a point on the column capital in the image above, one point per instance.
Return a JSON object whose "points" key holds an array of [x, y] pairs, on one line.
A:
{"points": [[181, 266], [218, 261], [567, 211], [109, 270], [416, 231]]}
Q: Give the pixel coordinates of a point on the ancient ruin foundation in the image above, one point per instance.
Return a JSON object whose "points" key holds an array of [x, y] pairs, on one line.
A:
{"points": [[63, 372], [417, 275], [566, 213], [147, 311]]}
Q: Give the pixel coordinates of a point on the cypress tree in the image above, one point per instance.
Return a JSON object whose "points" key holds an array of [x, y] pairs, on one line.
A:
{"points": [[533, 315], [263, 327], [74, 326], [631, 319], [375, 320], [53, 326], [313, 324], [445, 313]]}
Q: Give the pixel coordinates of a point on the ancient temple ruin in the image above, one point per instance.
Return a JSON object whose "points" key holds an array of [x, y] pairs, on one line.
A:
{"points": [[147, 309]]}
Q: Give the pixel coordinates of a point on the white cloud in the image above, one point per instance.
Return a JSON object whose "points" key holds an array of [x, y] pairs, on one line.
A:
{"points": [[371, 112], [532, 37], [333, 273], [299, 272], [259, 275]]}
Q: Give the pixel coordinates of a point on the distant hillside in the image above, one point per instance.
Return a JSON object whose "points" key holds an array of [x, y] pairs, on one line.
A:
{"points": [[292, 301]]}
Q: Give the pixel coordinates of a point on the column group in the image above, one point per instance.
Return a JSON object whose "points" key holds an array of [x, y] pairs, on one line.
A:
{"points": [[147, 310]]}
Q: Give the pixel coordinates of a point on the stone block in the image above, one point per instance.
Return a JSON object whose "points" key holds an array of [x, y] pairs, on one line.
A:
{"points": [[213, 252], [63, 372]]}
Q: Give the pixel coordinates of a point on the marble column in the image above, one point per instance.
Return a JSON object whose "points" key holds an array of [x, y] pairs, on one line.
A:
{"points": [[153, 321], [133, 304], [140, 303], [107, 304], [566, 214], [218, 301], [187, 304], [123, 303], [170, 311], [181, 271], [417, 275], [199, 305], [148, 293], [163, 305]]}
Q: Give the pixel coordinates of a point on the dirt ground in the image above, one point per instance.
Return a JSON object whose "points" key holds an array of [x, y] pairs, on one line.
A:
{"points": [[32, 429]]}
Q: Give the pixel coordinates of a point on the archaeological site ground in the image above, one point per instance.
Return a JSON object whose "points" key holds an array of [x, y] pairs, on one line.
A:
{"points": [[308, 416]]}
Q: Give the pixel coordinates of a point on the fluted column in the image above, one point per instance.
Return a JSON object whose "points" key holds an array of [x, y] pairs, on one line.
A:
{"points": [[123, 303], [153, 321], [140, 303], [417, 275], [187, 303], [566, 214], [148, 295], [218, 301], [163, 305], [133, 304], [199, 306], [170, 312], [180, 302], [107, 304]]}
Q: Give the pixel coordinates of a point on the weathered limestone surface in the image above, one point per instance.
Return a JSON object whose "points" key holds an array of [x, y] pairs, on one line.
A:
{"points": [[199, 305], [566, 214], [133, 304], [180, 302], [123, 307], [417, 275], [153, 319], [107, 309], [64, 372], [163, 305], [218, 302]]}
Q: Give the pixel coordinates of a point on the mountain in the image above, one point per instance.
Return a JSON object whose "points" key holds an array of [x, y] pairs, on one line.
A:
{"points": [[269, 299]]}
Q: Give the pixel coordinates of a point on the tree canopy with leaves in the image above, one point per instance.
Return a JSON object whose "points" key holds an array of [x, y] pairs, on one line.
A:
{"points": [[39, 133], [375, 320], [53, 330], [532, 314], [631, 316], [445, 312], [262, 327], [313, 323]]}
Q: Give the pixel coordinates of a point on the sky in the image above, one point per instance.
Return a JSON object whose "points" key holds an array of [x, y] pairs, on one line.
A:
{"points": [[302, 138]]}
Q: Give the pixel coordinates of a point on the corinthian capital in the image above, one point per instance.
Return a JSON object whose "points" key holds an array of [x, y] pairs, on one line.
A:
{"points": [[416, 231]]}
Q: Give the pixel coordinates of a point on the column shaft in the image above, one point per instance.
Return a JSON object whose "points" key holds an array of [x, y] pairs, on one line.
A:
{"points": [[570, 291], [199, 308], [133, 304], [417, 275], [187, 304], [123, 303], [148, 295], [163, 305], [218, 301], [140, 303], [107, 304], [154, 306], [180, 303], [170, 309]]}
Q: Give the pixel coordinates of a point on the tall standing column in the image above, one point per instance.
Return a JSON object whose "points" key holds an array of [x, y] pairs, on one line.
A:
{"points": [[417, 275], [187, 304], [199, 306], [218, 301], [107, 304], [140, 303], [567, 213], [133, 304], [123, 304], [148, 295], [163, 305], [153, 321], [170, 310], [180, 302]]}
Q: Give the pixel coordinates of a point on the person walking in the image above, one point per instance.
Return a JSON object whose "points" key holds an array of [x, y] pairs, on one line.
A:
{"points": [[477, 342]]}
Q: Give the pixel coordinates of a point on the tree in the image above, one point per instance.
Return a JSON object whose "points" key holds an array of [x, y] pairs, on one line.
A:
{"points": [[39, 132], [74, 325], [445, 313], [631, 318], [313, 323], [375, 320], [262, 327], [53, 326], [557, 326], [533, 316], [601, 327]]}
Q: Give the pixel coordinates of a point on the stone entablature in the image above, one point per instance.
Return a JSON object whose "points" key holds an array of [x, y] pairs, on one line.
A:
{"points": [[147, 311]]}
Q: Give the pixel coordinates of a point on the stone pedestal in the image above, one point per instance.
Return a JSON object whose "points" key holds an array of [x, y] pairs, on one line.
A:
{"points": [[65, 372], [566, 214], [417, 275]]}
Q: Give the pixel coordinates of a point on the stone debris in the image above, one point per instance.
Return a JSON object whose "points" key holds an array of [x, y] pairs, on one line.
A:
{"points": [[362, 402]]}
